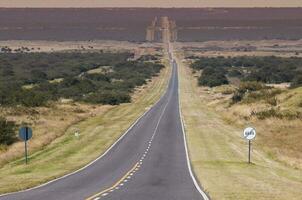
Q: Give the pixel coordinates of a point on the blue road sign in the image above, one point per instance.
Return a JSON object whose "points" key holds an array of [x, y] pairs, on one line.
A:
{"points": [[25, 133]]}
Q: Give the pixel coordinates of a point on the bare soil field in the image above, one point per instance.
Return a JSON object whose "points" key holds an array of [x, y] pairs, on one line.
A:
{"points": [[282, 48], [104, 45]]}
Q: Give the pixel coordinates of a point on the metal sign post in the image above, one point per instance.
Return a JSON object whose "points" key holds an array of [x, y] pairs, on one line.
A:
{"points": [[249, 134], [25, 133], [25, 145], [249, 151]]}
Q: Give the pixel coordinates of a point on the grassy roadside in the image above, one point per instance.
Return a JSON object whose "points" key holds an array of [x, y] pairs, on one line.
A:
{"points": [[218, 154], [68, 153]]}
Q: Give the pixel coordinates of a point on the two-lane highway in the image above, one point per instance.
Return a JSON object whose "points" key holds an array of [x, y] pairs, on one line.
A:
{"points": [[149, 162]]}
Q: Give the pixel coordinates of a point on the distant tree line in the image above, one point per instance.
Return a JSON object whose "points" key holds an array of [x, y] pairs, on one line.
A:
{"points": [[269, 69], [113, 87]]}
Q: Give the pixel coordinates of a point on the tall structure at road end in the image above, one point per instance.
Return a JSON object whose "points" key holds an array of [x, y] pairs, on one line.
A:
{"points": [[166, 30], [173, 31], [150, 34], [151, 31]]}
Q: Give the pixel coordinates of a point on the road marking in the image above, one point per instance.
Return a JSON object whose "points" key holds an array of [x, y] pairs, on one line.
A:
{"points": [[118, 183], [138, 164]]}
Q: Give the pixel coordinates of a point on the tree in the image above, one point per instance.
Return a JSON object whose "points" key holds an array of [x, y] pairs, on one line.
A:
{"points": [[7, 132]]}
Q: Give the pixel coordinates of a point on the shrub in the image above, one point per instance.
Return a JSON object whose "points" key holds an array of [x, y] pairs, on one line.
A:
{"points": [[212, 77], [110, 97], [251, 86], [254, 91], [234, 73], [7, 132], [277, 114], [76, 83], [268, 69], [297, 82], [237, 97]]}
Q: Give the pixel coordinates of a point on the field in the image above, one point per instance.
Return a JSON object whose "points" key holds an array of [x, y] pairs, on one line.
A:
{"points": [[130, 24], [28, 78], [280, 48], [219, 153], [105, 45]]}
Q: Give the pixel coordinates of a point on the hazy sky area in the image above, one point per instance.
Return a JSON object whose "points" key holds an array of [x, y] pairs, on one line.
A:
{"points": [[150, 3]]}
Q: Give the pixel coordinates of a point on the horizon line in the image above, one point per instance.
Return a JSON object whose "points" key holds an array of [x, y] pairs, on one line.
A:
{"points": [[161, 7]]}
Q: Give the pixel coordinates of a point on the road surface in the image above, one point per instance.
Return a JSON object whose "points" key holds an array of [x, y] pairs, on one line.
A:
{"points": [[148, 163]]}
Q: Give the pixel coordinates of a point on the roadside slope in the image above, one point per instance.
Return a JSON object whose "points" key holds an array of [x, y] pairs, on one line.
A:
{"points": [[218, 154], [68, 153]]}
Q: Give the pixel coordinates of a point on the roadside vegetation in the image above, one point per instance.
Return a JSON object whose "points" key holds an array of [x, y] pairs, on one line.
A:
{"points": [[214, 120], [54, 126], [33, 82], [38, 69], [269, 69], [256, 81], [266, 93]]}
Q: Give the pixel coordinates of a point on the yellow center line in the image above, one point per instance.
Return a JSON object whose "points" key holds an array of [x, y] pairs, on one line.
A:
{"points": [[115, 185]]}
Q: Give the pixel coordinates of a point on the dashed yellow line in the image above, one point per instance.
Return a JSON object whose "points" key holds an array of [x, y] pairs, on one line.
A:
{"points": [[115, 185]]}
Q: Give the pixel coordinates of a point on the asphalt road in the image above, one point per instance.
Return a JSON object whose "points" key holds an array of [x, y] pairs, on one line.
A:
{"points": [[148, 163]]}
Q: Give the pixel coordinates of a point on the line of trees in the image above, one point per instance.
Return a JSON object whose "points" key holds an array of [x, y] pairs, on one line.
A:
{"points": [[268, 69], [111, 87]]}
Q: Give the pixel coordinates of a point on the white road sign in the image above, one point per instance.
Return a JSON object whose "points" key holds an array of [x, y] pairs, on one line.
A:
{"points": [[249, 133]]}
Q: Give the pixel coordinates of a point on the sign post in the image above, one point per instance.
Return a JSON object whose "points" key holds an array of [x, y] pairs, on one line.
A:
{"points": [[25, 133], [249, 134]]}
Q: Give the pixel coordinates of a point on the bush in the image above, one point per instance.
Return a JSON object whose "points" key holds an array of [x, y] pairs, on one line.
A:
{"points": [[251, 86], [111, 87], [109, 97], [268, 69], [277, 114], [7, 132], [212, 77], [297, 82], [237, 97], [234, 73], [255, 91]]}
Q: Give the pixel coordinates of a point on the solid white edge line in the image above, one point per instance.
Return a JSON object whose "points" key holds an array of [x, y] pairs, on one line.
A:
{"points": [[98, 158], [203, 194]]}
